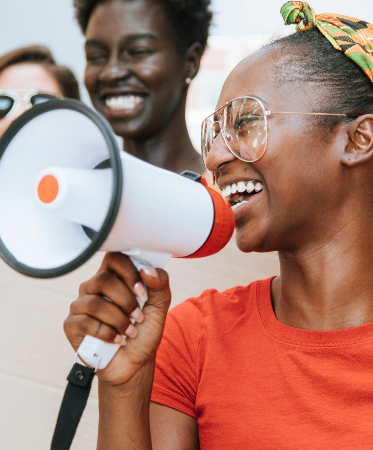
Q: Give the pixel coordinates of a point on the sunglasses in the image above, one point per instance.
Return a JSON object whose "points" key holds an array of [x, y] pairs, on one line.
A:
{"points": [[10, 100], [243, 124]]}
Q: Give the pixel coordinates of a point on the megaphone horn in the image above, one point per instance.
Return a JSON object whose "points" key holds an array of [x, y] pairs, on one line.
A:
{"points": [[67, 191]]}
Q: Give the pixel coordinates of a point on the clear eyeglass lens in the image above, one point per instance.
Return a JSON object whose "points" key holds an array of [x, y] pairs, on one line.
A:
{"points": [[6, 104], [244, 128], [206, 138]]}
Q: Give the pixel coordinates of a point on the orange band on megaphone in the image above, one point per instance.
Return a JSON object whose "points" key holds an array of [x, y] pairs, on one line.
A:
{"points": [[222, 230]]}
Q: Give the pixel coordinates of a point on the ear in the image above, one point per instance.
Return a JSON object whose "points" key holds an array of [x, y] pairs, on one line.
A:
{"points": [[192, 60], [359, 147]]}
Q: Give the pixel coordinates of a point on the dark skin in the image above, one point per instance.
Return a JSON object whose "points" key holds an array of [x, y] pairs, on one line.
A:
{"points": [[318, 219], [131, 50]]}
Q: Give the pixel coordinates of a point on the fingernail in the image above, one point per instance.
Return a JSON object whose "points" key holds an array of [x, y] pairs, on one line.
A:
{"points": [[140, 293], [150, 271], [131, 331], [137, 315], [120, 340]]}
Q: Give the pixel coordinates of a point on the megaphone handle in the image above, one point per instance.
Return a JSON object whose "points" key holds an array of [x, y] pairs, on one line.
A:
{"points": [[92, 347]]}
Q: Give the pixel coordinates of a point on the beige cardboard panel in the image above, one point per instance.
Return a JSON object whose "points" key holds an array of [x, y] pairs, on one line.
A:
{"points": [[32, 313], [66, 286], [228, 268], [28, 416]]}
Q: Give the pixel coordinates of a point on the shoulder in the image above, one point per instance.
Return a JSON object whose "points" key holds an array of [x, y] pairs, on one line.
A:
{"points": [[216, 306], [193, 328]]}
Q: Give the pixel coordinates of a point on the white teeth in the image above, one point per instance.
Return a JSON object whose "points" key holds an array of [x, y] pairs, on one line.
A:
{"points": [[258, 187], [237, 205], [241, 186], [123, 102], [250, 187]]}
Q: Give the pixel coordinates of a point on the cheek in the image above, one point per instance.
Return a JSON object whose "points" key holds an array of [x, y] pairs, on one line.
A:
{"points": [[4, 124], [90, 80], [162, 74]]}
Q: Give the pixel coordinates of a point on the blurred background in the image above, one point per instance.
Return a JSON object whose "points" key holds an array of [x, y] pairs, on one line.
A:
{"points": [[32, 372], [240, 27]]}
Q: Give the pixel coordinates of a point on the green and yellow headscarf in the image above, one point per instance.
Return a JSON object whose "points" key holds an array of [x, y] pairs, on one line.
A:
{"points": [[352, 36]]}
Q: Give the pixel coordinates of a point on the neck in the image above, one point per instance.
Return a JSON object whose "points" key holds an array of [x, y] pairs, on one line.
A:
{"points": [[330, 286], [170, 148]]}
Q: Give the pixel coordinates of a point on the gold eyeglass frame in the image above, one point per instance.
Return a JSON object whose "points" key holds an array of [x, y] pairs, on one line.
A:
{"points": [[267, 113]]}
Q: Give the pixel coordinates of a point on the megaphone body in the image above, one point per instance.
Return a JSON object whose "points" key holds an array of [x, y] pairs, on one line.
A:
{"points": [[67, 191]]}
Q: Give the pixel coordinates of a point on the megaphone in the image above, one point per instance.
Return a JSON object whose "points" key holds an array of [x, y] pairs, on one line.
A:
{"points": [[67, 191]]}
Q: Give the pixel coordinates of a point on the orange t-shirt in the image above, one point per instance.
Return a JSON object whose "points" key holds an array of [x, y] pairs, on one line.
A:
{"points": [[254, 383]]}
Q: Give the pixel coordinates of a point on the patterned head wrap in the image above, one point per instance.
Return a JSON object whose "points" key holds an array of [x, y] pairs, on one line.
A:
{"points": [[352, 36]]}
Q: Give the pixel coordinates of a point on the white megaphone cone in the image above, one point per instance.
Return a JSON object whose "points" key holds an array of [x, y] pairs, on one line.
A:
{"points": [[66, 191]]}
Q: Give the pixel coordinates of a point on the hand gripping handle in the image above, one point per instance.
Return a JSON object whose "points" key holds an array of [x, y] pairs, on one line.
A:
{"points": [[97, 353]]}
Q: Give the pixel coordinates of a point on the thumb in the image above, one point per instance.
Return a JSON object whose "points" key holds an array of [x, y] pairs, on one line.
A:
{"points": [[158, 287]]}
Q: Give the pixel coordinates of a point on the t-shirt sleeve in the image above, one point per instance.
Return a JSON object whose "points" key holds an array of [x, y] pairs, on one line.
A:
{"points": [[176, 372]]}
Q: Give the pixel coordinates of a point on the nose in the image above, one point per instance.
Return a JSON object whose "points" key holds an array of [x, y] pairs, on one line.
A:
{"points": [[21, 109], [218, 155], [114, 71]]}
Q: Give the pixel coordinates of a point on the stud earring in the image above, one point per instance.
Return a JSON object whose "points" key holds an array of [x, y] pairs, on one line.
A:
{"points": [[188, 80]]}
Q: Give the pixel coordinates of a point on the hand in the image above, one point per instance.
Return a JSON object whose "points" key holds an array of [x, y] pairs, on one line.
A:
{"points": [[119, 280]]}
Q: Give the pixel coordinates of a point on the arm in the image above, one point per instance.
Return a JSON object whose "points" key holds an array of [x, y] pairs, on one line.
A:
{"points": [[126, 422], [172, 429], [124, 413], [125, 385]]}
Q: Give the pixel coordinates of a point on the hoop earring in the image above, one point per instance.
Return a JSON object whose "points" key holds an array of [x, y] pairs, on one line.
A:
{"points": [[188, 80]]}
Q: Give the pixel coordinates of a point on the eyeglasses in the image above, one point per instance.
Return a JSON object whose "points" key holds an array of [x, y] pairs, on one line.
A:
{"points": [[10, 100], [243, 123]]}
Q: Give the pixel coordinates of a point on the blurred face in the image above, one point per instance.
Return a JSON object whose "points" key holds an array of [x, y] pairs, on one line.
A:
{"points": [[298, 183], [134, 73], [23, 78]]}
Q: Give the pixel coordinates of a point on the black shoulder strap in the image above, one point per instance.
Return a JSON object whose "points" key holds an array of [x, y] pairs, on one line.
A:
{"points": [[73, 403]]}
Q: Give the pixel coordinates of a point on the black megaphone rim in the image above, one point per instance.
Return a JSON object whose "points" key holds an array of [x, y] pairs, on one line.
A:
{"points": [[115, 160]]}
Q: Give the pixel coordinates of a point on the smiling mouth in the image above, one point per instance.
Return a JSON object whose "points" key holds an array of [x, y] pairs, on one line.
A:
{"points": [[125, 102], [237, 194]]}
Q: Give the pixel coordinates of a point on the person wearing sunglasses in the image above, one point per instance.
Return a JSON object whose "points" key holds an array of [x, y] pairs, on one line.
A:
{"points": [[29, 76], [286, 362]]}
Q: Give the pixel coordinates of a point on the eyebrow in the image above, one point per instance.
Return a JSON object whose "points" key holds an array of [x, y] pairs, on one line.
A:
{"points": [[126, 39]]}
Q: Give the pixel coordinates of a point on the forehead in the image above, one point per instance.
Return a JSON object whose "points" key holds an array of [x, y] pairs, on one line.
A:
{"points": [[256, 76], [252, 76], [114, 19], [28, 76]]}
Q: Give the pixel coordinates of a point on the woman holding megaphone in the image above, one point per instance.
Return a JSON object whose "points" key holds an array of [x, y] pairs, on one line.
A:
{"points": [[284, 362]]}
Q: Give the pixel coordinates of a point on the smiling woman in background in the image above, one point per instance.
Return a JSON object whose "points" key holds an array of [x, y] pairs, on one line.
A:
{"points": [[28, 76], [141, 58]]}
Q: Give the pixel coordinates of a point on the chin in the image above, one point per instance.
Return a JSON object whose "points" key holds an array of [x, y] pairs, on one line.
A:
{"points": [[128, 130], [248, 241]]}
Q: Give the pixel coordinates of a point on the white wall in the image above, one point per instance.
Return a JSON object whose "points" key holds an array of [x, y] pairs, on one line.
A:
{"points": [[52, 23]]}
